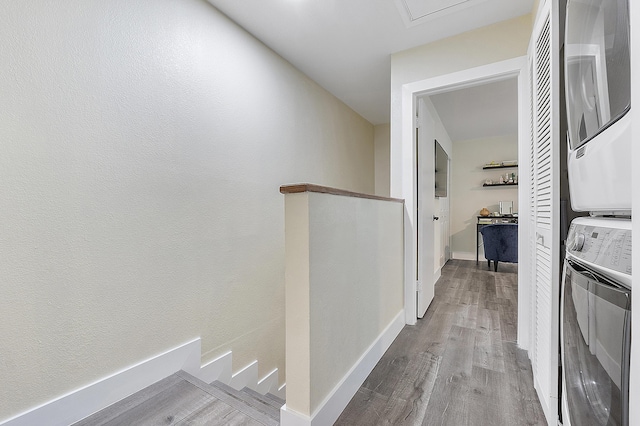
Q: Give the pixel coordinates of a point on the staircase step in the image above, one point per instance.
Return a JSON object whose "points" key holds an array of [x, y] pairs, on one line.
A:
{"points": [[276, 399], [241, 401], [260, 404], [264, 398]]}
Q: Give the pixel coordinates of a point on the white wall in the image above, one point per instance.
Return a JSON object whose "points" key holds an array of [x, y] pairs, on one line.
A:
{"points": [[382, 146], [487, 45], [345, 287], [468, 196], [143, 144]]}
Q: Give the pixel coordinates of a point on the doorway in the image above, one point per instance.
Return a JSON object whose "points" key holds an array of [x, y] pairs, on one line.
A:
{"points": [[412, 95]]}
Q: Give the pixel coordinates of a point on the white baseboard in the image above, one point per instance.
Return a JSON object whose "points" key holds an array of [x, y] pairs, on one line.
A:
{"points": [[463, 255], [87, 400], [289, 417], [268, 382], [246, 377], [333, 405], [281, 392], [218, 369]]}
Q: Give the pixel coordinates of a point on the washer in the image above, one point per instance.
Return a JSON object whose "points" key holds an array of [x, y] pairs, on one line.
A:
{"points": [[596, 323]]}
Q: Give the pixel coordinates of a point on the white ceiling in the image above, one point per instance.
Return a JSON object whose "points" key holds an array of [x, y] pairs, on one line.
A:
{"points": [[479, 112], [415, 12], [345, 45]]}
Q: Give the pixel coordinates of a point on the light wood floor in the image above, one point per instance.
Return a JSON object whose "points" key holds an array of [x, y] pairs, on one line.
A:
{"points": [[184, 400], [460, 364]]}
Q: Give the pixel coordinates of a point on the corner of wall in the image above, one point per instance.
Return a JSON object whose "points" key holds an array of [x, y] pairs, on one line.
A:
{"points": [[382, 154]]}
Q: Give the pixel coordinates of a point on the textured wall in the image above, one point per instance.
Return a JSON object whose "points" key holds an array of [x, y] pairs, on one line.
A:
{"points": [[468, 196], [143, 144], [356, 282], [382, 160], [345, 271]]}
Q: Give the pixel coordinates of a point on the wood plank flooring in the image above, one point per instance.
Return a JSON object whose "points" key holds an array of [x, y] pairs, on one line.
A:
{"points": [[460, 364], [182, 399]]}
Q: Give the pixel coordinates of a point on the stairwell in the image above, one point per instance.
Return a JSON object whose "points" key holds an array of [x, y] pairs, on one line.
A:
{"points": [[182, 399]]}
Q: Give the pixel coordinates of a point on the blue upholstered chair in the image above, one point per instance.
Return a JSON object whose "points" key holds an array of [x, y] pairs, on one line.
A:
{"points": [[500, 243]]}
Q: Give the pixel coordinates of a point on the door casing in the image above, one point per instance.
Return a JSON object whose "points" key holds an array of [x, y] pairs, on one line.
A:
{"points": [[411, 92]]}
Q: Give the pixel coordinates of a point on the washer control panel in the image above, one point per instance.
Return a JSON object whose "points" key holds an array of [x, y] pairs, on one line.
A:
{"points": [[607, 246]]}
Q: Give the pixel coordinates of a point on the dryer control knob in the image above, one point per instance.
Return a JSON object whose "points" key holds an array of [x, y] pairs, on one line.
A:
{"points": [[578, 242]]}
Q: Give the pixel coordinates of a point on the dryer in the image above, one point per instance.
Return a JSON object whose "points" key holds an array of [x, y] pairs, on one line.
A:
{"points": [[598, 101]]}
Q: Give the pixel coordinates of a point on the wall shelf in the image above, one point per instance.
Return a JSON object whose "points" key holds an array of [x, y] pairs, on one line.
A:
{"points": [[499, 167], [501, 184]]}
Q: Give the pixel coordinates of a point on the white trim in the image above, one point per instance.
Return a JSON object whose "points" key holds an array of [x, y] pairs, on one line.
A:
{"points": [[268, 382], [550, 415], [87, 400], [246, 377], [484, 74], [466, 78], [333, 405], [281, 392], [525, 284], [289, 417], [92, 398], [410, 239], [463, 255], [218, 369], [410, 21], [543, 402], [436, 275]]}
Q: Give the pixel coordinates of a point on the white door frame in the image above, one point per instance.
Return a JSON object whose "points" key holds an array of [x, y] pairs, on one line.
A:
{"points": [[516, 67]]}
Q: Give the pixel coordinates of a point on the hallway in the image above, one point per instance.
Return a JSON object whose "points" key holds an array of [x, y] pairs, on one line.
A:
{"points": [[460, 364]]}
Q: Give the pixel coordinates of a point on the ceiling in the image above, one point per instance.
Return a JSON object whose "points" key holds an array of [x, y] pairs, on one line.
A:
{"points": [[345, 45], [479, 112]]}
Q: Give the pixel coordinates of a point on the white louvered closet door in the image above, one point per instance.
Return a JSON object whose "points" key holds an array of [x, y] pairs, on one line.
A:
{"points": [[544, 219]]}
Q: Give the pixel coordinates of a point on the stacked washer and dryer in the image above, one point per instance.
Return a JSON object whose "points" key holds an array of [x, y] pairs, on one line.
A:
{"points": [[596, 286]]}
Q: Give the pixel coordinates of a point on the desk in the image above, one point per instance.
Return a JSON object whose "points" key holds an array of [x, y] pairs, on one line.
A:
{"points": [[494, 219]]}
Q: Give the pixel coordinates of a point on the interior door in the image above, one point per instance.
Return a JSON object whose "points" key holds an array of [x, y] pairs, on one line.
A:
{"points": [[425, 202]]}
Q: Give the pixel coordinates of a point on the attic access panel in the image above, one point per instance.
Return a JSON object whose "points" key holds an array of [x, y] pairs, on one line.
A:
{"points": [[415, 12]]}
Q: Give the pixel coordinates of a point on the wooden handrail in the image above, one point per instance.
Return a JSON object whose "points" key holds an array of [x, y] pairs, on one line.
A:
{"points": [[310, 187]]}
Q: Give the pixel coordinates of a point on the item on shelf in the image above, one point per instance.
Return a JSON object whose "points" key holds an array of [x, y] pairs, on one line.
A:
{"points": [[488, 182], [484, 212], [501, 179], [506, 208], [500, 165]]}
